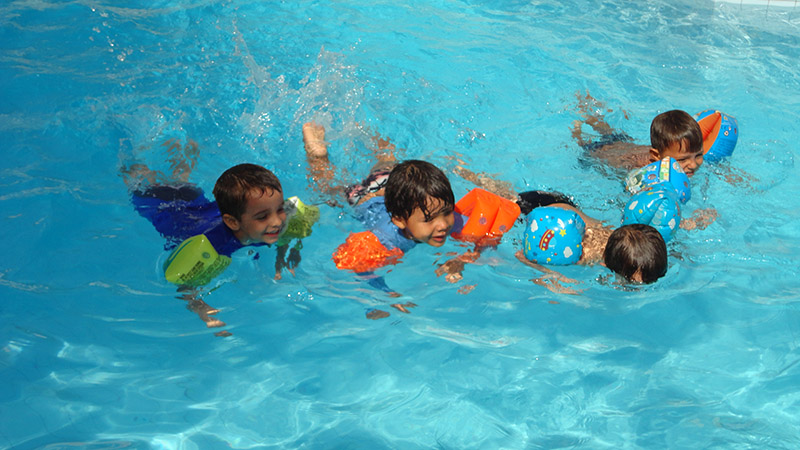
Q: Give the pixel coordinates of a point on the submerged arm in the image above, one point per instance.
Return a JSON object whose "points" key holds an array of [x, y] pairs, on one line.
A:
{"points": [[550, 279]]}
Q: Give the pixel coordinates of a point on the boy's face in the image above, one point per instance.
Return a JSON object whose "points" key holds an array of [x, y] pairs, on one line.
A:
{"points": [[262, 220], [690, 161], [431, 230]]}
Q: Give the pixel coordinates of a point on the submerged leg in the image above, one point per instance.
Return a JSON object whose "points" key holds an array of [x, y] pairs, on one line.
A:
{"points": [[182, 158], [591, 110]]}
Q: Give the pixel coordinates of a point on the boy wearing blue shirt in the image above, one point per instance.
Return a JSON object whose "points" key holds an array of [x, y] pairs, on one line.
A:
{"points": [[247, 210]]}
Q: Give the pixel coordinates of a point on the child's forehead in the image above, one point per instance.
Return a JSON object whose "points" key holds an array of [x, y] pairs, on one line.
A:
{"points": [[263, 198], [433, 206], [682, 147]]}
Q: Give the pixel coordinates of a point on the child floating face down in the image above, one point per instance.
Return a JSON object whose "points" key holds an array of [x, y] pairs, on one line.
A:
{"points": [[559, 234]]}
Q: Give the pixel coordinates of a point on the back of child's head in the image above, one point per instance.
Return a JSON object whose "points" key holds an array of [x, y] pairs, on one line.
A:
{"points": [[236, 184], [637, 252], [676, 126], [410, 186]]}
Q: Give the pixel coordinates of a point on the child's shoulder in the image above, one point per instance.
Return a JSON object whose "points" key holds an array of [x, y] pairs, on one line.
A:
{"points": [[594, 242]]}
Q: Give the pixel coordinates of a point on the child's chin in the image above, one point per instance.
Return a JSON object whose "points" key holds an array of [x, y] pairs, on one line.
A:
{"points": [[269, 239], [437, 242]]}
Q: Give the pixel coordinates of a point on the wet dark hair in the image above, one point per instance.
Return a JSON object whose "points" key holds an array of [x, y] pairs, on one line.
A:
{"points": [[636, 248], [409, 186], [676, 126], [234, 186]]}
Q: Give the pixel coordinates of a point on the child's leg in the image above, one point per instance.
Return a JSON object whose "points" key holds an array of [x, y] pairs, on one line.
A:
{"points": [[486, 182], [591, 110], [320, 169], [182, 158], [383, 151], [137, 175]]}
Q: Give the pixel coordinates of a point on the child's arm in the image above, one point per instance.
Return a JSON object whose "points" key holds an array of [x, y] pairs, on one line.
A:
{"points": [[195, 303], [550, 279], [486, 182]]}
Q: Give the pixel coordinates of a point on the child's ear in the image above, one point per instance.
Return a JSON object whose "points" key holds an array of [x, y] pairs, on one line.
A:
{"points": [[231, 222], [400, 223], [655, 155]]}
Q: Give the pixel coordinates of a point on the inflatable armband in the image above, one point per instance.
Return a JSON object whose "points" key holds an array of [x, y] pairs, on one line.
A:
{"points": [[363, 252], [299, 221], [554, 236], [720, 133], [658, 207], [487, 215], [194, 262], [665, 171]]}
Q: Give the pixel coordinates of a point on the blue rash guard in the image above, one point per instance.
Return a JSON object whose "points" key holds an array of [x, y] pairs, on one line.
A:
{"points": [[180, 212], [377, 220]]}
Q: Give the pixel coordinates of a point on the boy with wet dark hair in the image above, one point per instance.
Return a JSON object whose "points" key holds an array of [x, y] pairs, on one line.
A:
{"points": [[400, 204], [417, 207], [248, 211], [673, 134], [420, 201], [637, 252]]}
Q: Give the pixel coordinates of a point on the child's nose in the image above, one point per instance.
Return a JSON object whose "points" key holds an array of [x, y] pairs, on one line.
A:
{"points": [[442, 224], [278, 219]]}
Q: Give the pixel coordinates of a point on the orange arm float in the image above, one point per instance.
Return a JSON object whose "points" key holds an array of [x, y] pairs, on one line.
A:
{"points": [[488, 216], [363, 252]]}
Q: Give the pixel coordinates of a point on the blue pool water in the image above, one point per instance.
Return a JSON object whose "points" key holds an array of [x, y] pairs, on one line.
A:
{"points": [[98, 351]]}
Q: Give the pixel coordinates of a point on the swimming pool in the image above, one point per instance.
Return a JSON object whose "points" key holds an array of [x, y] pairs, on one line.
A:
{"points": [[98, 352]]}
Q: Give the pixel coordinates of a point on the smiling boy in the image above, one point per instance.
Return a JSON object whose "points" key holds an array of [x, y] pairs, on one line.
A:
{"points": [[248, 211]]}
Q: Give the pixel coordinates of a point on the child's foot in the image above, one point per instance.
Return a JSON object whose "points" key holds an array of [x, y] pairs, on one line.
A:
{"points": [[402, 307], [136, 175], [212, 322], [375, 314], [314, 140]]}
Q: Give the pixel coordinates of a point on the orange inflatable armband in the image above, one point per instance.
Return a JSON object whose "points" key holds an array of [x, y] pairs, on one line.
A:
{"points": [[488, 215], [363, 252]]}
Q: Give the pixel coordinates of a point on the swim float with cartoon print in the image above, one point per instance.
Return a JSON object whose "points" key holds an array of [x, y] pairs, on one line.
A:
{"points": [[553, 236], [658, 206], [668, 170]]}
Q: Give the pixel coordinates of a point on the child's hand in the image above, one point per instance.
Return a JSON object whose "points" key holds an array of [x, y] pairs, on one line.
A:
{"points": [[453, 269], [287, 262], [701, 218], [455, 266], [552, 281]]}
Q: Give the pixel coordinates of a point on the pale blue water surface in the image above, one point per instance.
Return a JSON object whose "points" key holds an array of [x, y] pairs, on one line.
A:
{"points": [[97, 351]]}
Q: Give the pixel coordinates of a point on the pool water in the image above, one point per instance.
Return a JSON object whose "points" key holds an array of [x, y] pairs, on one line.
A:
{"points": [[98, 351]]}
